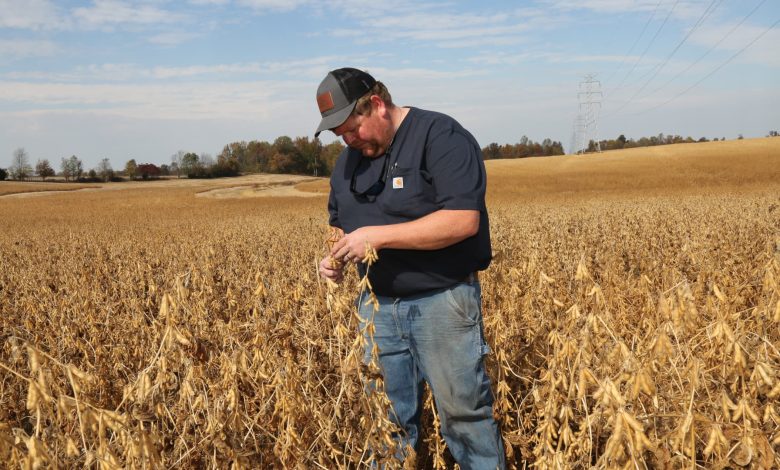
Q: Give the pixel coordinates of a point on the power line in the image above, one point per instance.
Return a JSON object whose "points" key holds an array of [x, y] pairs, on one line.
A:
{"points": [[693, 64], [710, 8], [636, 41], [713, 71], [655, 36]]}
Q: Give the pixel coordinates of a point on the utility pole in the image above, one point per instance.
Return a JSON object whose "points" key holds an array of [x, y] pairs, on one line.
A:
{"points": [[586, 125]]}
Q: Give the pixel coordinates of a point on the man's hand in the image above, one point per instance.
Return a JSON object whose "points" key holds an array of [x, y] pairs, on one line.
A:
{"points": [[352, 246], [332, 269]]}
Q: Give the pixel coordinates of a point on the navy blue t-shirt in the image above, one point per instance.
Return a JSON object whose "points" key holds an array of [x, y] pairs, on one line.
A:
{"points": [[434, 163]]}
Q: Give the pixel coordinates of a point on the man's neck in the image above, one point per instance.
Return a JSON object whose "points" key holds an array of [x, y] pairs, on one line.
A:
{"points": [[397, 115]]}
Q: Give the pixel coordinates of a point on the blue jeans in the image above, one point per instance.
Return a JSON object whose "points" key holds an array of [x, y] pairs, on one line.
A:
{"points": [[438, 337]]}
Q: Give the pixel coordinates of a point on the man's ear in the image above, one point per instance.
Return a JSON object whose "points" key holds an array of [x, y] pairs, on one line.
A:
{"points": [[378, 105]]}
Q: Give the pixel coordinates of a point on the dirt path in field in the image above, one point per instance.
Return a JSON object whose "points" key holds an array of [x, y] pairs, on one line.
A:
{"points": [[262, 185], [240, 192]]}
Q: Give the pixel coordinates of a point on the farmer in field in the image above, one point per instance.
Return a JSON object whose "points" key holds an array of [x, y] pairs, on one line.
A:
{"points": [[411, 184]]}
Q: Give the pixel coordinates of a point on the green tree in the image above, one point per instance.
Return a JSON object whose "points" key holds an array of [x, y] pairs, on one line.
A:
{"points": [[131, 169], [190, 163], [43, 169], [3, 174]]}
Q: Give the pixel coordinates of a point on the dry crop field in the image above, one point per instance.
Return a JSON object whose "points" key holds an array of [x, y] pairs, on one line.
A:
{"points": [[633, 310]]}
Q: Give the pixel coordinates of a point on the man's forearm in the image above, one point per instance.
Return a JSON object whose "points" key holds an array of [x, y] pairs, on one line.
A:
{"points": [[437, 230]]}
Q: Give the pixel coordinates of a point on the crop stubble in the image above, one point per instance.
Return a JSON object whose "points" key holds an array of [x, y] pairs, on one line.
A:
{"points": [[149, 329]]}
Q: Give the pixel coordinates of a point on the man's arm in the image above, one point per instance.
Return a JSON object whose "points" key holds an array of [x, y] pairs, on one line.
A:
{"points": [[436, 230]]}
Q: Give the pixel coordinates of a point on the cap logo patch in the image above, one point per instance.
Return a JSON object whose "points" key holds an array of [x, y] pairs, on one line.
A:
{"points": [[325, 102]]}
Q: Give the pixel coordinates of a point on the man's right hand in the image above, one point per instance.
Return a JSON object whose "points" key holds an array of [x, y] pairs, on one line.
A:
{"points": [[332, 269]]}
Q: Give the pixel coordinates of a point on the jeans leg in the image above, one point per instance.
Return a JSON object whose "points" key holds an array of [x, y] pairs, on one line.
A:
{"points": [[448, 341], [402, 379]]}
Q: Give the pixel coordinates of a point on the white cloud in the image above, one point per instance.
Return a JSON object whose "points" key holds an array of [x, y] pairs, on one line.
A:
{"points": [[168, 101], [29, 14], [128, 72], [110, 13], [764, 51], [272, 5], [606, 6], [11, 49], [173, 38]]}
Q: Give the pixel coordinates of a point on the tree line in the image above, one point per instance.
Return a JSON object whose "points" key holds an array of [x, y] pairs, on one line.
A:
{"points": [[300, 155], [621, 142]]}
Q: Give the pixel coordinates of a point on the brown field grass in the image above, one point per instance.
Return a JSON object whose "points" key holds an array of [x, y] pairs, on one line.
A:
{"points": [[634, 322], [13, 187]]}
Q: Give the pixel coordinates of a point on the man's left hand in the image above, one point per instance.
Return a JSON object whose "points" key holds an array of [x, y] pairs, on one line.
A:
{"points": [[352, 246]]}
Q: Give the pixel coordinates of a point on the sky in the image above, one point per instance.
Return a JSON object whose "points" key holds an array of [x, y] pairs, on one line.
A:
{"points": [[144, 79]]}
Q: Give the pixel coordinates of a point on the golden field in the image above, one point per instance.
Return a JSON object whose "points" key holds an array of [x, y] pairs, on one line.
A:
{"points": [[633, 310]]}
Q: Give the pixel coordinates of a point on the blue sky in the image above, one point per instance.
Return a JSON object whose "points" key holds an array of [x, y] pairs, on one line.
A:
{"points": [[143, 79]]}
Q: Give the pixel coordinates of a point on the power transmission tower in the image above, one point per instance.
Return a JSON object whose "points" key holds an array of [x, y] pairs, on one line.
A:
{"points": [[589, 96], [578, 134]]}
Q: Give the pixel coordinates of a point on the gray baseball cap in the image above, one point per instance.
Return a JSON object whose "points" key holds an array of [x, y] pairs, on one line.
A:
{"points": [[338, 93]]}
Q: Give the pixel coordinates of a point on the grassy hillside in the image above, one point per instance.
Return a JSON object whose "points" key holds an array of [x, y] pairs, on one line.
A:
{"points": [[668, 168]]}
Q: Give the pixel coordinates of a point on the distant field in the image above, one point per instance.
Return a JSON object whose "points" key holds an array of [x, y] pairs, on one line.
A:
{"points": [[632, 308], [668, 168], [12, 187]]}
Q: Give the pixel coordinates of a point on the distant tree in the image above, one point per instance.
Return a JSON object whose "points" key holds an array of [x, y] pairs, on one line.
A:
{"points": [[257, 156], [491, 152], [43, 169], [330, 153], [740, 137], [206, 160], [20, 165], [165, 170], [3, 174], [92, 174], [225, 166], [65, 169], [72, 168], [190, 163], [104, 170], [772, 134], [131, 169], [307, 155], [176, 163], [148, 171]]}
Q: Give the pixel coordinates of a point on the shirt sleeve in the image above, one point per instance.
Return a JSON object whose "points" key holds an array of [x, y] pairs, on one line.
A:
{"points": [[454, 161], [333, 211]]}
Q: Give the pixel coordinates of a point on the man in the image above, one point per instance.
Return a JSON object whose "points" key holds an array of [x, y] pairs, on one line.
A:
{"points": [[411, 184]]}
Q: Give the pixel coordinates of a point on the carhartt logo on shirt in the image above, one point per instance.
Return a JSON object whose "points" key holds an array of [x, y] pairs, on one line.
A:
{"points": [[398, 182]]}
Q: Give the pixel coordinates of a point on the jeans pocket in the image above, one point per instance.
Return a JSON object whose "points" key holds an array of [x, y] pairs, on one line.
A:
{"points": [[465, 303]]}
